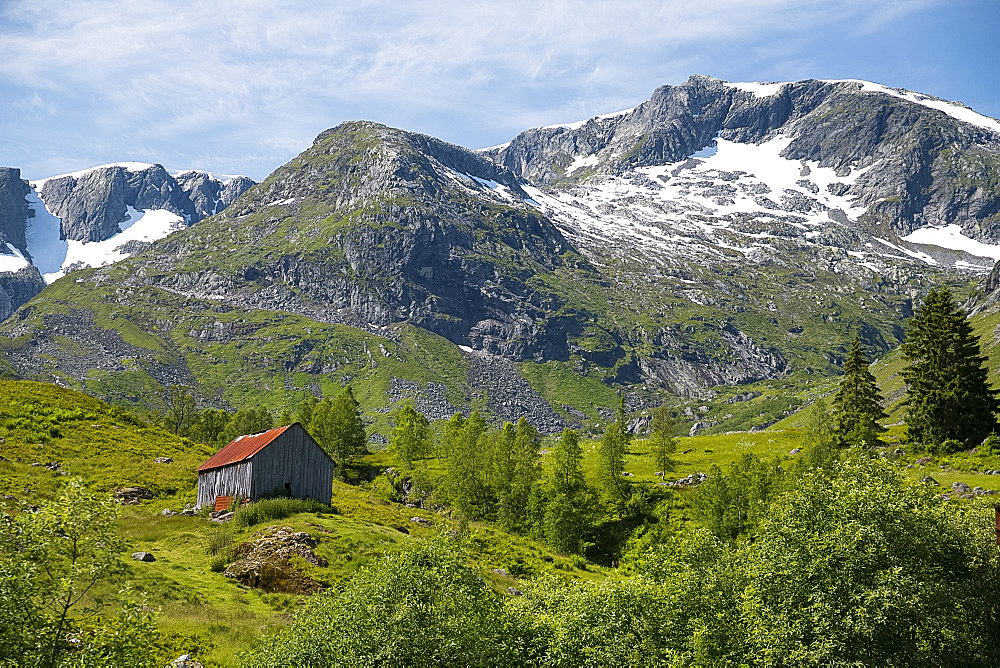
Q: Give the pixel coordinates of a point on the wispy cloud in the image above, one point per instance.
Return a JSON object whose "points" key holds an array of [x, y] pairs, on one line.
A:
{"points": [[259, 78]]}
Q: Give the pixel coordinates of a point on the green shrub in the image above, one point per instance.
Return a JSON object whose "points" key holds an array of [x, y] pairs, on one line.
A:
{"points": [[277, 508], [219, 563]]}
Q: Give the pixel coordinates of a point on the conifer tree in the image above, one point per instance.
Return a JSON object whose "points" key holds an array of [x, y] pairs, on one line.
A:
{"points": [[661, 438], [948, 395], [611, 454], [567, 514], [858, 402]]}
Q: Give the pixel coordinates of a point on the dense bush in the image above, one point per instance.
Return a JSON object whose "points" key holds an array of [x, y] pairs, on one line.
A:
{"points": [[849, 566], [277, 508]]}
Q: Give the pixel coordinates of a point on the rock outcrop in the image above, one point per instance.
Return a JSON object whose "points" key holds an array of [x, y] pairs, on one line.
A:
{"points": [[14, 210], [17, 288], [266, 561], [93, 204]]}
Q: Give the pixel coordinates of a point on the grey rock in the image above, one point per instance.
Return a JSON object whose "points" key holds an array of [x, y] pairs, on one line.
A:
{"points": [[422, 522], [163, 460], [929, 480], [93, 205], [133, 495], [514, 591], [18, 288], [143, 556], [14, 210], [185, 661], [167, 512], [500, 571], [961, 487], [795, 451]]}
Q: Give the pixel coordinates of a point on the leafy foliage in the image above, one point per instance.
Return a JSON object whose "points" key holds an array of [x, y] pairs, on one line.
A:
{"points": [[337, 426], [421, 607], [411, 438], [52, 563]]}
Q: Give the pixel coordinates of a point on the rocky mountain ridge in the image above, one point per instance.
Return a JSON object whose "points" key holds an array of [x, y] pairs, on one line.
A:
{"points": [[54, 225], [717, 234]]}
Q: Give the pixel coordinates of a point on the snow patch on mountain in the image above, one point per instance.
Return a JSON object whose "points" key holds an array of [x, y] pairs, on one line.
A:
{"points": [[581, 161], [729, 197], [953, 109], [55, 256], [951, 237], [758, 88], [14, 261], [142, 226], [43, 233]]}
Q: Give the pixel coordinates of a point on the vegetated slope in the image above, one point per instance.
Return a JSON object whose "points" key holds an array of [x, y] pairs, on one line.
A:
{"points": [[73, 435], [104, 446], [717, 234]]}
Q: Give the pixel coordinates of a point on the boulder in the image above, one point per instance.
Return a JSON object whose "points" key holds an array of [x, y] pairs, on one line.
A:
{"points": [[185, 661], [167, 512], [163, 460], [422, 522], [929, 480], [795, 451], [266, 561], [513, 591], [131, 496], [143, 556], [500, 571], [961, 488]]}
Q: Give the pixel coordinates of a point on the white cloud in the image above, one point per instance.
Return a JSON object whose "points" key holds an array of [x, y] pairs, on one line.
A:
{"points": [[168, 73]]}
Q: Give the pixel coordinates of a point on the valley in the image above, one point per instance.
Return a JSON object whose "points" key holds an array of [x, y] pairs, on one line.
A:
{"points": [[627, 338]]}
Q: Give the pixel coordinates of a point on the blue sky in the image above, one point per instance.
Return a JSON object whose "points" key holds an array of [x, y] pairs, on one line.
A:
{"points": [[242, 87]]}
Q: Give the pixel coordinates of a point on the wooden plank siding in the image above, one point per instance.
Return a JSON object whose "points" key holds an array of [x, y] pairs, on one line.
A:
{"points": [[293, 459], [296, 459], [233, 480]]}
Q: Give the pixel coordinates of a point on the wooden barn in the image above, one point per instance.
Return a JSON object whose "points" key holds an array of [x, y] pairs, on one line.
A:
{"points": [[281, 462]]}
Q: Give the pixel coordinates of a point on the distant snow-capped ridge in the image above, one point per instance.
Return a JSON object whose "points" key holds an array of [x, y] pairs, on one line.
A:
{"points": [[99, 215], [710, 168]]}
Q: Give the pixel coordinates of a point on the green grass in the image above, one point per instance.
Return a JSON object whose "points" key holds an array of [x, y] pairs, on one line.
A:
{"points": [[203, 612]]}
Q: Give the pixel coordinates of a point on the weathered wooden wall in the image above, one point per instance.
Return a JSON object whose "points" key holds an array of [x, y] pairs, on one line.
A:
{"points": [[233, 480], [295, 458]]}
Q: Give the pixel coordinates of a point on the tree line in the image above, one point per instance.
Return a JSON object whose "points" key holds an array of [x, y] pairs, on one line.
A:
{"points": [[949, 403]]}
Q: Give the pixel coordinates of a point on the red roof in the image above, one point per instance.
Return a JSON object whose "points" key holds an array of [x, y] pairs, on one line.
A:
{"points": [[242, 448]]}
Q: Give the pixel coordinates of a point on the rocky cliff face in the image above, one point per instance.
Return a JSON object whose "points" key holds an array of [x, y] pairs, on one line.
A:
{"points": [[13, 208], [210, 195], [93, 204], [933, 168], [17, 288], [372, 226]]}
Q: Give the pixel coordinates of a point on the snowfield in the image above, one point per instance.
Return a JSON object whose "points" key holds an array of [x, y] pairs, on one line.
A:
{"points": [[54, 255]]}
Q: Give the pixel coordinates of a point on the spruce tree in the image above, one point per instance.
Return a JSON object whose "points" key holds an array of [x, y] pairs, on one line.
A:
{"points": [[858, 402], [948, 396]]}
